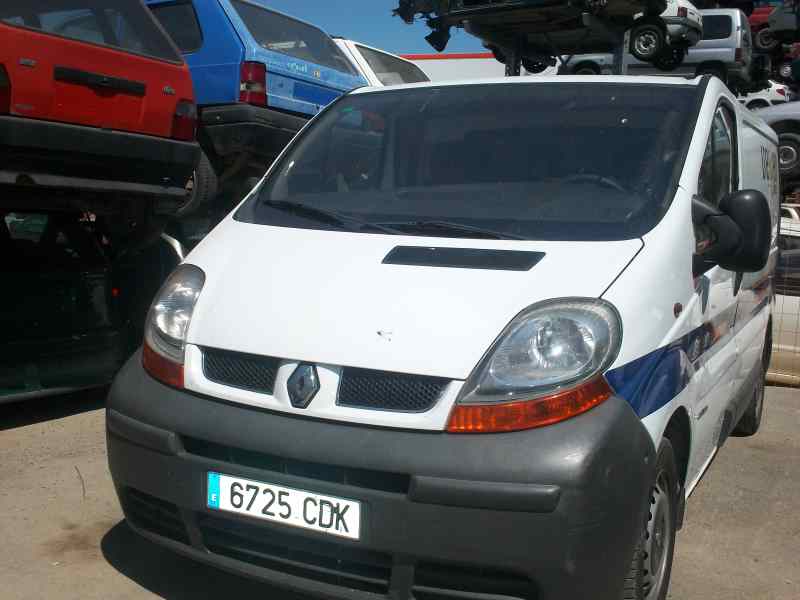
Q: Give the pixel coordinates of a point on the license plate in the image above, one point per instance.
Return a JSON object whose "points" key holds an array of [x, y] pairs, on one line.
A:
{"points": [[289, 506]]}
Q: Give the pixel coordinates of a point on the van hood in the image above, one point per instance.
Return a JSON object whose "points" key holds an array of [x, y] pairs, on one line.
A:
{"points": [[327, 297]]}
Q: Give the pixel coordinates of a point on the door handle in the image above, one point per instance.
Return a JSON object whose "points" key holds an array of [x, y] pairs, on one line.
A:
{"points": [[98, 80]]}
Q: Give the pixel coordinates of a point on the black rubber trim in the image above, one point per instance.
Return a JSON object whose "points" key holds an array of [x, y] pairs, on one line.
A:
{"points": [[463, 258], [119, 160], [98, 80], [521, 497], [242, 128], [142, 434], [247, 113]]}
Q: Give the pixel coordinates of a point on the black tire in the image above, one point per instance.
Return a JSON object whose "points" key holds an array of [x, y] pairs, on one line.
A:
{"points": [[765, 41], [751, 419], [586, 68], [647, 42], [789, 155], [499, 56], [534, 66], [670, 59], [201, 189], [651, 567]]}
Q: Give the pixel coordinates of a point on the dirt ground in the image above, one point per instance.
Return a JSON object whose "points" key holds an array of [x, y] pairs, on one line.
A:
{"points": [[65, 539]]}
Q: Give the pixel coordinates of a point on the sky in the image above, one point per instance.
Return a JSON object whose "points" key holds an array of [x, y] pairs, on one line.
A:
{"points": [[371, 22]]}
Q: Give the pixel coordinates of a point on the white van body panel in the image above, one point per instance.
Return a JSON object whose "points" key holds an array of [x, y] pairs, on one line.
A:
{"points": [[423, 331]]}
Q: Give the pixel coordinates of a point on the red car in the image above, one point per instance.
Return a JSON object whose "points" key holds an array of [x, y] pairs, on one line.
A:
{"points": [[97, 114], [763, 38]]}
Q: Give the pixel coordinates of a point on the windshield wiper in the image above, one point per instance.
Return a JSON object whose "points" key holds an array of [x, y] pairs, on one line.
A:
{"points": [[448, 226], [327, 215]]}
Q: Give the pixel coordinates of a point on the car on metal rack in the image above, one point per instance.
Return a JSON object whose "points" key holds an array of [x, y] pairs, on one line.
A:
{"points": [[538, 31], [259, 75], [97, 114]]}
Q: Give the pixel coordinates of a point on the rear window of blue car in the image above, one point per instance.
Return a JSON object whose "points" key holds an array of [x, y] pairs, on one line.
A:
{"points": [[279, 33], [120, 24], [180, 21]]}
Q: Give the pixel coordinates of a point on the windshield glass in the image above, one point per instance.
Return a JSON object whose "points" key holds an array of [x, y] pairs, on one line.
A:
{"points": [[559, 161], [283, 34]]}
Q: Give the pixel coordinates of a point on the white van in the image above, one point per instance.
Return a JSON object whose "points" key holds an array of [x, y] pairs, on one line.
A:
{"points": [[478, 339]]}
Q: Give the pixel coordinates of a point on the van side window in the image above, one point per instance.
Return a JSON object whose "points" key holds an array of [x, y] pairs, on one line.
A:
{"points": [[717, 174]]}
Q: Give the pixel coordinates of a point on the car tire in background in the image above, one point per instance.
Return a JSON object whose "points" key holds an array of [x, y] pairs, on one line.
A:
{"points": [[651, 566], [765, 41], [670, 59], [201, 189], [534, 66], [789, 155], [586, 68], [647, 41]]}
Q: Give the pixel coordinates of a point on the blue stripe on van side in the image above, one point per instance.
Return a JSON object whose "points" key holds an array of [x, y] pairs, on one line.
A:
{"points": [[651, 381]]}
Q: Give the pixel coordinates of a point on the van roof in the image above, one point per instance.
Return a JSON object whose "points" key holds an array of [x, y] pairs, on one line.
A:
{"points": [[540, 79]]}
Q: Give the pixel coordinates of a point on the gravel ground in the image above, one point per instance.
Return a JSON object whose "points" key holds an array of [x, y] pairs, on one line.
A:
{"points": [[65, 538]]}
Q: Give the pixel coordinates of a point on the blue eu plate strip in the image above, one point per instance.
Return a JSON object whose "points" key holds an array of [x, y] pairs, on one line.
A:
{"points": [[213, 490]]}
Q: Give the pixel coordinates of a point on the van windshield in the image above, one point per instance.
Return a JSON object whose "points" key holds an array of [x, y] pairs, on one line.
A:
{"points": [[558, 161]]}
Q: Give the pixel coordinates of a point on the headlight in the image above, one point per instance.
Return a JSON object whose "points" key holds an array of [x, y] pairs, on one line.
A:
{"points": [[538, 369], [168, 323]]}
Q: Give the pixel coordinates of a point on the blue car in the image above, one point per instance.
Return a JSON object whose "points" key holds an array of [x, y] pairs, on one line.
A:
{"points": [[258, 76]]}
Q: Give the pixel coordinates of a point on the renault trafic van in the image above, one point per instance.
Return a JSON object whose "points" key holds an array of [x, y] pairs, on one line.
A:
{"points": [[517, 321]]}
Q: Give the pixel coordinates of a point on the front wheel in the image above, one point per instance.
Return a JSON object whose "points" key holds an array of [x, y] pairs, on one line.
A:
{"points": [[648, 578], [534, 66], [647, 42]]}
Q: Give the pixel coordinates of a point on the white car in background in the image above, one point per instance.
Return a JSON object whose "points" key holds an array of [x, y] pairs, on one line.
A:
{"points": [[776, 93], [379, 67]]}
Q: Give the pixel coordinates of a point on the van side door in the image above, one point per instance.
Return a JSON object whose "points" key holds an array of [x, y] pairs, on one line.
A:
{"points": [[715, 348]]}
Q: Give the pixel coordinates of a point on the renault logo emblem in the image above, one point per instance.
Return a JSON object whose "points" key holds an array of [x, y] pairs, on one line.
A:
{"points": [[303, 385]]}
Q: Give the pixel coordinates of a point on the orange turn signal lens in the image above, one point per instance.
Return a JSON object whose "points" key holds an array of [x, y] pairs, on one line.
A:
{"points": [[162, 369], [527, 414]]}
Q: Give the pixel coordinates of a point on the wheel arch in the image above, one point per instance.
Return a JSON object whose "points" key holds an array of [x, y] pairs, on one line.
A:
{"points": [[587, 63]]}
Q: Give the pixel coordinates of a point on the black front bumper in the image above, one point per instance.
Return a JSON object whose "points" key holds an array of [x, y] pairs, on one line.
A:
{"points": [[234, 129], [48, 154], [547, 513]]}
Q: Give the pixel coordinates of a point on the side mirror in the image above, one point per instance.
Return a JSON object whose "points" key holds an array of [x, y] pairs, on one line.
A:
{"points": [[736, 235]]}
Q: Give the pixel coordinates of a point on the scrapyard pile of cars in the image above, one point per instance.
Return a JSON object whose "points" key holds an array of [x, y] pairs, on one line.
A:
{"points": [[127, 131]]}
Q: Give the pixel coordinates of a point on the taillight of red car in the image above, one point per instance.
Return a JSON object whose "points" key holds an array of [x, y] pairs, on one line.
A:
{"points": [[253, 84], [184, 121], [5, 91]]}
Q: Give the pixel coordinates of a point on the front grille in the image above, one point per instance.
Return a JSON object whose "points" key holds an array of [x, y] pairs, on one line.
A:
{"points": [[154, 515], [326, 562], [382, 390], [434, 581], [383, 481], [236, 369]]}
